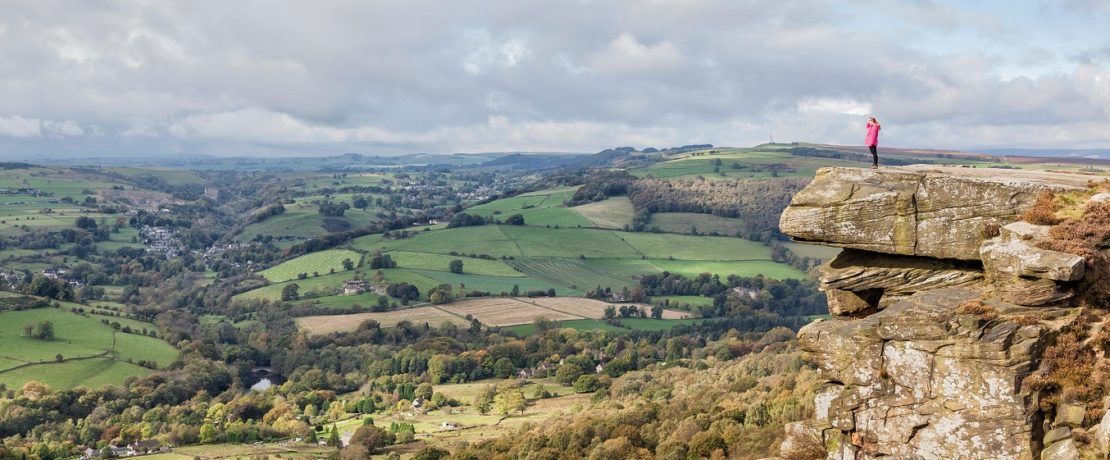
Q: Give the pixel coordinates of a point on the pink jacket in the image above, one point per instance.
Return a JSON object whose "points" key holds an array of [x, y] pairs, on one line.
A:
{"points": [[872, 134]]}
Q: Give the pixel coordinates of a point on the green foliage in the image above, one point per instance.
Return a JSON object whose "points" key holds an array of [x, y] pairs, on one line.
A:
{"points": [[510, 400], [455, 266], [586, 383], [290, 292]]}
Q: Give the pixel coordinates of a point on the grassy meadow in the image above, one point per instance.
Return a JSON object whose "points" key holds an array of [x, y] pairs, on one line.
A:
{"points": [[93, 353]]}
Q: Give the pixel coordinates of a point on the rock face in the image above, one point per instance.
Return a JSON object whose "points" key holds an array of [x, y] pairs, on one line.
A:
{"points": [[942, 305], [934, 212]]}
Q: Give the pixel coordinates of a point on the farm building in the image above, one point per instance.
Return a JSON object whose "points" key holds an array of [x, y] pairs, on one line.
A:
{"points": [[352, 287]]}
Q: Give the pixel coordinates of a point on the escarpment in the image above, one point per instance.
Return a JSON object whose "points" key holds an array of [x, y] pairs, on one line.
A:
{"points": [[944, 303]]}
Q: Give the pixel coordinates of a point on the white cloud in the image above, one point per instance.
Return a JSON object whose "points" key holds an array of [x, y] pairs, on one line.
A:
{"points": [[846, 106], [625, 54], [62, 128], [17, 126]]}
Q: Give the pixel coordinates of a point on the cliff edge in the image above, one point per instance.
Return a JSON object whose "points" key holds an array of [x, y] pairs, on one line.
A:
{"points": [[945, 303]]}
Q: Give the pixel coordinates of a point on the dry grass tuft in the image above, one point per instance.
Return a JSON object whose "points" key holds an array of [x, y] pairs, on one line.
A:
{"points": [[978, 308]]}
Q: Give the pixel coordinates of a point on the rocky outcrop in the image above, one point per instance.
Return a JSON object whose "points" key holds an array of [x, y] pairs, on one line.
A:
{"points": [[941, 306], [861, 282], [942, 213]]}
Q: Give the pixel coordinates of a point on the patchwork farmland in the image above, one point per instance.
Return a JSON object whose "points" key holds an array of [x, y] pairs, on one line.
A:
{"points": [[490, 311]]}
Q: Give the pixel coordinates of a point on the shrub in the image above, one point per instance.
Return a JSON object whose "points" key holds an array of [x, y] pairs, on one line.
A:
{"points": [[1086, 236], [1043, 211]]}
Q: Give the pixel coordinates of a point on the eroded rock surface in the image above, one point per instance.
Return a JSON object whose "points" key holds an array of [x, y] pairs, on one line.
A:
{"points": [[941, 306], [943, 213], [921, 379]]}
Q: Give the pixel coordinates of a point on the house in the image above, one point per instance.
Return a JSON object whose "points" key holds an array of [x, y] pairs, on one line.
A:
{"points": [[449, 425], [148, 445], [746, 292], [417, 403], [352, 287], [599, 368], [54, 273], [112, 451]]}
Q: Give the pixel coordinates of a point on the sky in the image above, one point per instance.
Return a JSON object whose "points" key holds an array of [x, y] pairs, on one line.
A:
{"points": [[273, 78]]}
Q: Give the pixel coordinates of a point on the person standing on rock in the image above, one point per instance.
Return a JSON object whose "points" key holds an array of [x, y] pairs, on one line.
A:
{"points": [[872, 140]]}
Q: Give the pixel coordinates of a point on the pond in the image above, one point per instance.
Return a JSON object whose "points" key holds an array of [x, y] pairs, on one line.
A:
{"points": [[264, 379]]}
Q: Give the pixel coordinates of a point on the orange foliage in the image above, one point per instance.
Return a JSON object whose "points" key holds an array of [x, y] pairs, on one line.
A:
{"points": [[1043, 211]]}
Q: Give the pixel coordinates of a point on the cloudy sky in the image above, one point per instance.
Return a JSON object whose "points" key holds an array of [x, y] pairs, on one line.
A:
{"points": [[375, 77]]}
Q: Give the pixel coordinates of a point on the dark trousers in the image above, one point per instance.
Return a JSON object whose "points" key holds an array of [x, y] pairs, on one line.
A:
{"points": [[874, 154]]}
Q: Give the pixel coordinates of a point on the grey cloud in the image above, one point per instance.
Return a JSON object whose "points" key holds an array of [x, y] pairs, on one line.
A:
{"points": [[422, 75]]}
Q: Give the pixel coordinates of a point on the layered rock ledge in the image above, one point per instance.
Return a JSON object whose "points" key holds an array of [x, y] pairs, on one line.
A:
{"points": [[942, 305], [938, 212]]}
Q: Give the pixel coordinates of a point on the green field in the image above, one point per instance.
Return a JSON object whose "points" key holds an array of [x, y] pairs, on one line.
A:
{"points": [[692, 268], [465, 240], [575, 258], [614, 213], [575, 273], [687, 222], [660, 246], [751, 163], [439, 262], [627, 325], [497, 284], [93, 373], [322, 262], [543, 242], [364, 300], [94, 354], [675, 300], [302, 219], [541, 208], [171, 176]]}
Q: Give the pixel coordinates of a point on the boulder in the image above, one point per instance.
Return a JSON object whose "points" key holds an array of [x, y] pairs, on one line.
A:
{"points": [[1020, 258], [1101, 432], [1057, 434], [937, 212], [1063, 450], [1070, 415]]}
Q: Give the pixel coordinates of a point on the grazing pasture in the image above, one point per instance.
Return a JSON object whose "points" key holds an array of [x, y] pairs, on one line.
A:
{"points": [[613, 213], [576, 273], [495, 284], [92, 353], [568, 242], [688, 222], [484, 239], [317, 262], [686, 247], [439, 262], [92, 373], [692, 268]]}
